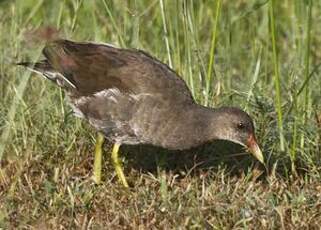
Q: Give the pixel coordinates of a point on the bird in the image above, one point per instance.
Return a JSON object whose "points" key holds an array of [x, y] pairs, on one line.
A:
{"points": [[132, 98]]}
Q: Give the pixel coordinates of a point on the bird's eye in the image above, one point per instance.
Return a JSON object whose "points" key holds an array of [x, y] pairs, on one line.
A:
{"points": [[240, 125]]}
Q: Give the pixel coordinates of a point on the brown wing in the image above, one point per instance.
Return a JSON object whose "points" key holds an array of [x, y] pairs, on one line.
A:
{"points": [[96, 67]]}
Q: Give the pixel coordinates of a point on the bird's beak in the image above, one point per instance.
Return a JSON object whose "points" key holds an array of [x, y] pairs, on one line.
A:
{"points": [[254, 148]]}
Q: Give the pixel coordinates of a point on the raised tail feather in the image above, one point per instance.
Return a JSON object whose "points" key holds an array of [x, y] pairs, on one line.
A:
{"points": [[45, 69], [40, 67]]}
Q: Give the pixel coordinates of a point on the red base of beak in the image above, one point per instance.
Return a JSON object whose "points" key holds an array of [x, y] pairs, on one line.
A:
{"points": [[254, 148]]}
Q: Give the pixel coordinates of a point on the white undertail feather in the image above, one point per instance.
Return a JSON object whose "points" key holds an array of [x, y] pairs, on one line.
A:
{"points": [[55, 76], [59, 75], [36, 71], [59, 78]]}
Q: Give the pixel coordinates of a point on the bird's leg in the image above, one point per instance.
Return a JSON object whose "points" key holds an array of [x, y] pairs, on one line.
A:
{"points": [[117, 165], [98, 157]]}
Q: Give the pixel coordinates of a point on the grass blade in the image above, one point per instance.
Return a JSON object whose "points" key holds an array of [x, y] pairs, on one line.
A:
{"points": [[307, 68], [276, 74], [212, 52]]}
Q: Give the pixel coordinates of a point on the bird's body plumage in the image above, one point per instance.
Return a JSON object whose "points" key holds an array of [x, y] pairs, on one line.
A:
{"points": [[124, 93], [132, 98]]}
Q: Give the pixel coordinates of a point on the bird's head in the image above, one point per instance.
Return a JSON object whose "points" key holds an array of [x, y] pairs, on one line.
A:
{"points": [[235, 125]]}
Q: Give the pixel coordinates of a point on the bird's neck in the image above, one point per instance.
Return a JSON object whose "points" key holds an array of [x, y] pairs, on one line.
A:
{"points": [[198, 122]]}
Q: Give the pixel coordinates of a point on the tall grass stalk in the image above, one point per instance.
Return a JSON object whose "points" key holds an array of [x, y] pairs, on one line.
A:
{"points": [[212, 52], [276, 74], [5, 136], [307, 67], [61, 9], [188, 46], [34, 10], [113, 22], [166, 34], [254, 76], [77, 7]]}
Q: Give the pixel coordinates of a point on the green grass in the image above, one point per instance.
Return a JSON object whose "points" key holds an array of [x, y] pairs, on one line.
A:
{"points": [[263, 56]]}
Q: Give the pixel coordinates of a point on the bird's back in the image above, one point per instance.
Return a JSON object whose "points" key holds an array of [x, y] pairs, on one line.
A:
{"points": [[94, 67], [124, 93]]}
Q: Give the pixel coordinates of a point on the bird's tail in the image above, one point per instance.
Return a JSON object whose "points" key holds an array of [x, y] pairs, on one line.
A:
{"points": [[58, 63], [40, 67], [44, 68]]}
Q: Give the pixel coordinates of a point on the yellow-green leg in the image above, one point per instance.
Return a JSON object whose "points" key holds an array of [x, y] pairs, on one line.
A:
{"points": [[118, 166], [98, 157]]}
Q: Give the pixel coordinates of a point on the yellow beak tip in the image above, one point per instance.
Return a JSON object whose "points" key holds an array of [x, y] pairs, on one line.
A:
{"points": [[257, 153]]}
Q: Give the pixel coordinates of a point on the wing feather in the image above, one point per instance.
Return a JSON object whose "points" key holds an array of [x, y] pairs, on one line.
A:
{"points": [[95, 67]]}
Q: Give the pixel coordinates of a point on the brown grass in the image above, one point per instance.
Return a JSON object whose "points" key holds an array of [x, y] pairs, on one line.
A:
{"points": [[57, 192]]}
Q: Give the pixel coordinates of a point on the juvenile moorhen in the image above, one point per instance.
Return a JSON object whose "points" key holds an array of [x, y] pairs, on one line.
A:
{"points": [[133, 98]]}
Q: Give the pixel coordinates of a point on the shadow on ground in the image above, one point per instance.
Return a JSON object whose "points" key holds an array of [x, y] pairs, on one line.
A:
{"points": [[150, 159]]}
